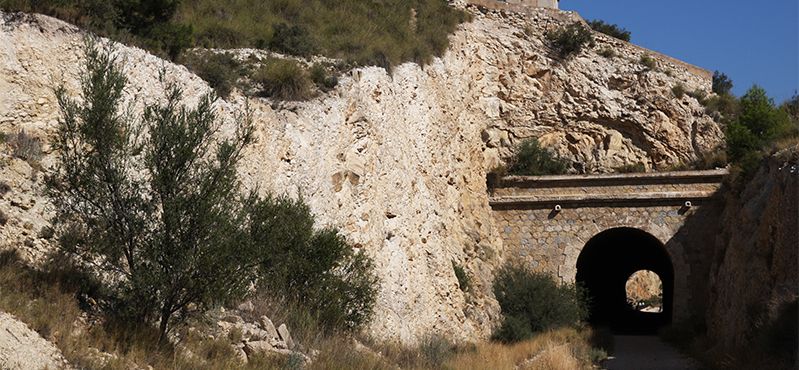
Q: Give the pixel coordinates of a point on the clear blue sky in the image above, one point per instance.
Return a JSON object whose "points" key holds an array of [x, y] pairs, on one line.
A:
{"points": [[749, 41]]}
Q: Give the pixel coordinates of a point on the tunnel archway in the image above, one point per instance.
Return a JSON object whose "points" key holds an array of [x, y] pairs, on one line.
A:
{"points": [[605, 264]]}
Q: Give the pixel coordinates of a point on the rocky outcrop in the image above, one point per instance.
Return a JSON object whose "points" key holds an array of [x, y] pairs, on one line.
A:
{"points": [[755, 274], [24, 349], [398, 161]]}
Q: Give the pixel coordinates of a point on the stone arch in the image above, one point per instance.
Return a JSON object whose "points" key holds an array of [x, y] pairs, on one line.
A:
{"points": [[606, 262], [574, 247]]}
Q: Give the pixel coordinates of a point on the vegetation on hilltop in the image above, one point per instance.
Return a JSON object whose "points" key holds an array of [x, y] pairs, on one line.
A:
{"points": [[382, 33]]}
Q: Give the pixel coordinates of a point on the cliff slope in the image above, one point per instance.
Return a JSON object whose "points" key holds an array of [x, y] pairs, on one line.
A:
{"points": [[397, 162]]}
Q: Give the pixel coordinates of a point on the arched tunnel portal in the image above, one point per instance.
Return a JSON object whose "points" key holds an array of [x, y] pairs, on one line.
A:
{"points": [[605, 264]]}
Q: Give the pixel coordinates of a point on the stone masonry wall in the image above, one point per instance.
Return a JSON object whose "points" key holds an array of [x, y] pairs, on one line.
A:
{"points": [[550, 241]]}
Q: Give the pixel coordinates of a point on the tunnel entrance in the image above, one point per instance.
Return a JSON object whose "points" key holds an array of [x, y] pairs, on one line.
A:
{"points": [[604, 266]]}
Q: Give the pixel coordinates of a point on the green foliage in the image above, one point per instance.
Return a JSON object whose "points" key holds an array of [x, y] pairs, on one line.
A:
{"points": [[758, 123], [367, 33], [293, 39], [283, 79], [513, 330], [607, 52], [317, 268], [464, 281], [610, 29], [319, 76], [220, 70], [647, 61], [158, 212], [532, 159], [146, 23], [678, 89], [724, 107], [534, 302], [571, 39], [721, 83]]}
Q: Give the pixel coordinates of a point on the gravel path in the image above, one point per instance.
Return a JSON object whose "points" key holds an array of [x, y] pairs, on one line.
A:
{"points": [[646, 352]]}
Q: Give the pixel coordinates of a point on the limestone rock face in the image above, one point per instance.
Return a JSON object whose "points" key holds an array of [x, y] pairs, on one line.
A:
{"points": [[398, 162], [756, 269], [23, 349]]}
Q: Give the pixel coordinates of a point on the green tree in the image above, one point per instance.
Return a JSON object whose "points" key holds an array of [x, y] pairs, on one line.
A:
{"points": [[153, 205], [721, 83], [759, 122], [533, 302]]}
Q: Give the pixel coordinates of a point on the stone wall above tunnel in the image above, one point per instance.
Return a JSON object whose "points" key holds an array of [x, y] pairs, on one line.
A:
{"points": [[549, 240]]}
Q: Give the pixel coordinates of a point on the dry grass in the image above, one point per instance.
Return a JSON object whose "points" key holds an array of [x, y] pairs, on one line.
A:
{"points": [[61, 304], [559, 349]]}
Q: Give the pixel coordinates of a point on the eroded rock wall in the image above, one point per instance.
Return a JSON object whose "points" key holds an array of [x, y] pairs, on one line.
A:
{"points": [[756, 267], [397, 162]]}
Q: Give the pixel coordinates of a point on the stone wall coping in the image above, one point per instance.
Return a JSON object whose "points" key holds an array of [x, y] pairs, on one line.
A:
{"points": [[627, 178], [604, 198]]}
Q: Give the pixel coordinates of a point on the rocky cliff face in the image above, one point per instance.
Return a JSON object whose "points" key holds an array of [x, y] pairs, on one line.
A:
{"points": [[397, 162], [755, 274]]}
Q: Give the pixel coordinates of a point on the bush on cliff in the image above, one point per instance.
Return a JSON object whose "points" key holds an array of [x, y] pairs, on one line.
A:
{"points": [[531, 159], [570, 40], [533, 302], [612, 30]]}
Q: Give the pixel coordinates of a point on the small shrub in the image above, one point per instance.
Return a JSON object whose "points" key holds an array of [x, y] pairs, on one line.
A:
{"points": [[4, 188], [284, 80], [317, 268], [2, 137], [610, 29], [3, 218], [700, 96], [513, 330], [678, 89], [293, 39], [647, 61], [464, 282], [531, 159], [25, 146], [607, 52], [631, 168], [220, 70], [320, 77], [536, 299], [571, 39]]}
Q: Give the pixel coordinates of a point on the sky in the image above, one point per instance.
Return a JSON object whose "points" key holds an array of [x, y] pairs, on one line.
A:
{"points": [[752, 42]]}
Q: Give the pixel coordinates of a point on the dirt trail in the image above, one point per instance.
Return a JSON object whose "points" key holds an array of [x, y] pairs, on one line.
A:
{"points": [[646, 352]]}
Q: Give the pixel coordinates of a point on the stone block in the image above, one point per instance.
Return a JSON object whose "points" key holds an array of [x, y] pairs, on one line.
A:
{"points": [[269, 327], [285, 336]]}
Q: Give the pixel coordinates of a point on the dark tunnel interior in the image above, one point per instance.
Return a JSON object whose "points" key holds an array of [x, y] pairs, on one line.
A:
{"points": [[604, 266]]}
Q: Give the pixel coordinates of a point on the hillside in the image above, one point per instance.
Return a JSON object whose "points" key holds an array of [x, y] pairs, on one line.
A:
{"points": [[398, 161]]}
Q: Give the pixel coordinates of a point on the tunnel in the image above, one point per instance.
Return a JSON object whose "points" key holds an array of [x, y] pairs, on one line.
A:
{"points": [[603, 267]]}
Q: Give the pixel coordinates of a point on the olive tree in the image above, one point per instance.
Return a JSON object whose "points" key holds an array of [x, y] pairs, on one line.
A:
{"points": [[152, 204]]}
